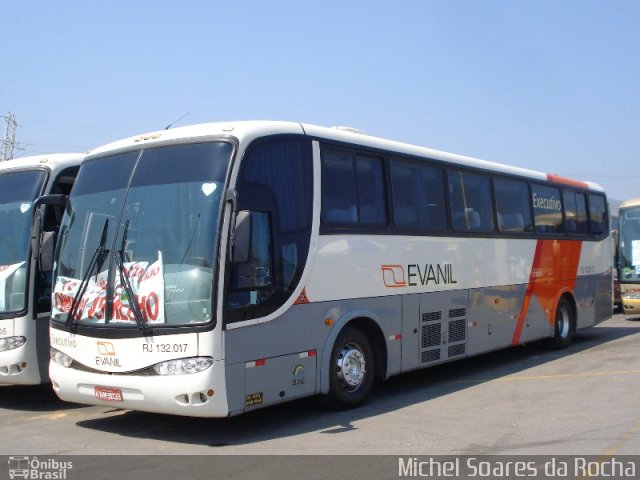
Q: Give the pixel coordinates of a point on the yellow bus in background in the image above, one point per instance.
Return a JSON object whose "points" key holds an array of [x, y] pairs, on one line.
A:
{"points": [[629, 256]]}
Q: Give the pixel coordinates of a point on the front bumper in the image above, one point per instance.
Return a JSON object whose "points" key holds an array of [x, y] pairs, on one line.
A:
{"points": [[20, 367], [200, 394], [630, 306]]}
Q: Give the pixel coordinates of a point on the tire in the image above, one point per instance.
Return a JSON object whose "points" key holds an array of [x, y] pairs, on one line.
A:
{"points": [[351, 372], [564, 325]]}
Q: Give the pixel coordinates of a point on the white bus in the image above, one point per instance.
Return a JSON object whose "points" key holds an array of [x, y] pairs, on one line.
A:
{"points": [[25, 285], [215, 269], [629, 256]]}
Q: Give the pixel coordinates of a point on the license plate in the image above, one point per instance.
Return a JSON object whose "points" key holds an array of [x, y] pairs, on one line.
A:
{"points": [[109, 394]]}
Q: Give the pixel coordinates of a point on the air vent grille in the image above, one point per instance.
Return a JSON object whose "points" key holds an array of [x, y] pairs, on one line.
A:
{"points": [[431, 335], [430, 355], [432, 317], [457, 330]]}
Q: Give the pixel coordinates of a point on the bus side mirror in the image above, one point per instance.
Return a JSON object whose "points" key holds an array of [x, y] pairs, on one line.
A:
{"points": [[36, 230], [43, 243], [56, 200], [242, 237], [47, 251]]}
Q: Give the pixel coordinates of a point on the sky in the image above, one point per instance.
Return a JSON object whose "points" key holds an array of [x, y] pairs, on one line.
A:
{"points": [[552, 86]]}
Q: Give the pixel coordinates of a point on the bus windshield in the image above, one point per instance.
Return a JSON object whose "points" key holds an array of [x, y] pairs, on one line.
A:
{"points": [[630, 245], [138, 238], [18, 190]]}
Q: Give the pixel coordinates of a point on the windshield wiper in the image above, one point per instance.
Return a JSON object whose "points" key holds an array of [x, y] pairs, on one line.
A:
{"points": [[124, 281], [97, 260]]}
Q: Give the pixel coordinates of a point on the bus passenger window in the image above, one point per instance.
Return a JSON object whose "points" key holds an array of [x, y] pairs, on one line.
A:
{"points": [[547, 210], [470, 202], [598, 214], [512, 204], [371, 194], [353, 190], [418, 196], [339, 189], [575, 211]]}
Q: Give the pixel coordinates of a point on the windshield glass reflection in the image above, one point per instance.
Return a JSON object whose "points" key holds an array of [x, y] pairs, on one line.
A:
{"points": [[18, 190], [155, 227]]}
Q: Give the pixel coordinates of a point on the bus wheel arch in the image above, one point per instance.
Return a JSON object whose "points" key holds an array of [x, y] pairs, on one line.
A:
{"points": [[374, 333], [352, 360], [565, 321]]}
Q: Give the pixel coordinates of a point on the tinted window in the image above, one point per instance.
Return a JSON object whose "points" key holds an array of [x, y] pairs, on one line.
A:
{"points": [[581, 204], [276, 185], [575, 211], [629, 246], [512, 203], [418, 196], [155, 212], [547, 210], [352, 189], [18, 190], [339, 189], [598, 214], [95, 204], [97, 177], [470, 201], [371, 193]]}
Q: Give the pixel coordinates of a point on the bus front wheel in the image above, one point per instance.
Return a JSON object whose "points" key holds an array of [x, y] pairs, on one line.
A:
{"points": [[351, 370], [564, 325]]}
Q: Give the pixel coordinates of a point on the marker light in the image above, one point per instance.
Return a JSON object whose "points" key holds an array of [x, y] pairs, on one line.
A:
{"points": [[9, 343], [61, 358], [183, 366]]}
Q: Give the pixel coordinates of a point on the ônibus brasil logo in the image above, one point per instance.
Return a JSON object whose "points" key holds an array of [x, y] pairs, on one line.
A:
{"points": [[34, 468], [413, 275]]}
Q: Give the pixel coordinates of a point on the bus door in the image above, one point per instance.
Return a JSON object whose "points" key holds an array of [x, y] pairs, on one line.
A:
{"points": [[42, 270]]}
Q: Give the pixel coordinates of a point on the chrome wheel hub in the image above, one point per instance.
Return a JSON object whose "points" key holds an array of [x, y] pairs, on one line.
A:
{"points": [[351, 366], [563, 323]]}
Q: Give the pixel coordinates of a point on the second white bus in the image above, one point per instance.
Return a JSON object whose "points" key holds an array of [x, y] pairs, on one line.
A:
{"points": [[215, 269], [25, 285]]}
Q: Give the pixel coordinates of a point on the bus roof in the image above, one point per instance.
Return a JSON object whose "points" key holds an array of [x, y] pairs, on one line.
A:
{"points": [[631, 202], [246, 131], [52, 161]]}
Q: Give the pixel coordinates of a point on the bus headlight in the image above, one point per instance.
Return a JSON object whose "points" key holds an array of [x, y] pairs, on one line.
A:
{"points": [[183, 366], [9, 343], [61, 358]]}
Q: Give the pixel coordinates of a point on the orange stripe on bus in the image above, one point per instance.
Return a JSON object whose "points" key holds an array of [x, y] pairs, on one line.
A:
{"points": [[552, 177], [554, 270]]}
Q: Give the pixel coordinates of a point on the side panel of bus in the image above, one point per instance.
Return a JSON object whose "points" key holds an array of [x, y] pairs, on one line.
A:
{"points": [[287, 353], [419, 330]]}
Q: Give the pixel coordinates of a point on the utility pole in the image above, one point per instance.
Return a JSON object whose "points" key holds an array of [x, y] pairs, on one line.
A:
{"points": [[9, 141]]}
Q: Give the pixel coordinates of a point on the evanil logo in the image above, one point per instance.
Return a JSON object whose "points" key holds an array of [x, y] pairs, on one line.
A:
{"points": [[393, 276], [413, 275], [107, 357], [106, 348]]}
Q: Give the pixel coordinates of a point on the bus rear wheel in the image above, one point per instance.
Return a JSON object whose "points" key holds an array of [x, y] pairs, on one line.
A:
{"points": [[564, 325], [351, 372]]}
